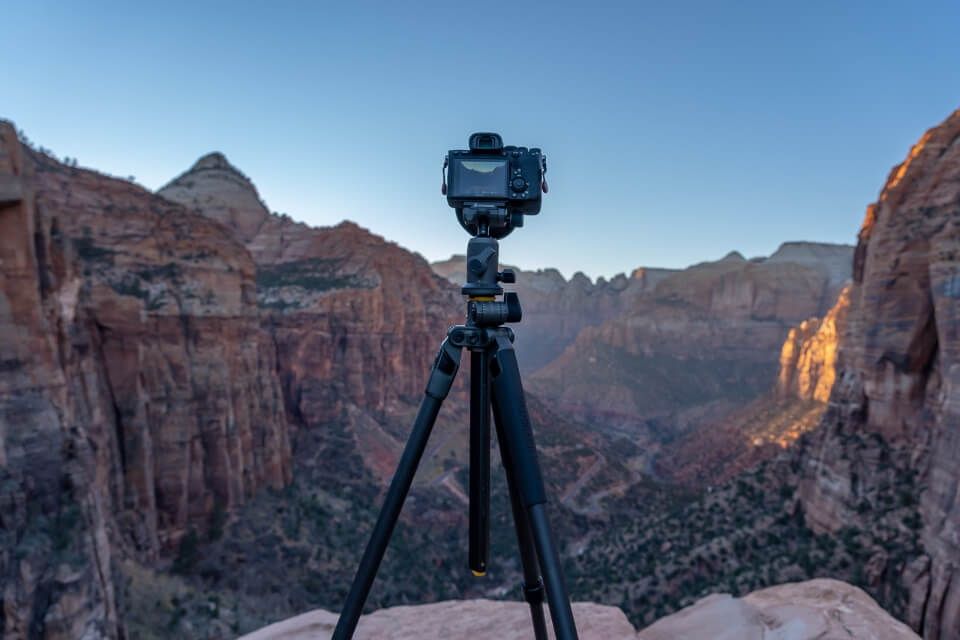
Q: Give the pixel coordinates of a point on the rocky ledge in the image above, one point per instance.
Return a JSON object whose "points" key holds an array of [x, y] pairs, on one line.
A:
{"points": [[817, 609]]}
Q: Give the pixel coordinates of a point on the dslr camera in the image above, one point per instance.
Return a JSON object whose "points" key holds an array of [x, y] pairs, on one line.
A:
{"points": [[492, 186]]}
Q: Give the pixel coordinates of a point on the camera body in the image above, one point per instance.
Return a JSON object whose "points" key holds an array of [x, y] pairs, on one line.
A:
{"points": [[506, 181]]}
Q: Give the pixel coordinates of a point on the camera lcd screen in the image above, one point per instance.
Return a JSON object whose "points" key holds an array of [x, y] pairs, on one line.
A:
{"points": [[480, 178]]}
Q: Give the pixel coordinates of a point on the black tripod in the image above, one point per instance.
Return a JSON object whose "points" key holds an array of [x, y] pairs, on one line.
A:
{"points": [[494, 382]]}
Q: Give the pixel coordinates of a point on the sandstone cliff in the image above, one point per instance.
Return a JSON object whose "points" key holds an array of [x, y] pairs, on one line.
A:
{"points": [[808, 358], [139, 394], [700, 345], [893, 416], [55, 561], [718, 450], [356, 321]]}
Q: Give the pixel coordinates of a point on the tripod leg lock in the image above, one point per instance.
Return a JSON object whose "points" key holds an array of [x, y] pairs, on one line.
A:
{"points": [[444, 371], [534, 594]]}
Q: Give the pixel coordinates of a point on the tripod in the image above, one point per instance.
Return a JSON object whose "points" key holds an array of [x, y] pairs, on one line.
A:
{"points": [[494, 383]]}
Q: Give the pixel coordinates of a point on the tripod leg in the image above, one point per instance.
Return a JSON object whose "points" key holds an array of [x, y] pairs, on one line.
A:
{"points": [[479, 462], [510, 411], [532, 584], [441, 379]]}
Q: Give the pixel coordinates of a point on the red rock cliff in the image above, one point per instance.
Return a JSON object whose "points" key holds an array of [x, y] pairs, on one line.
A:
{"points": [[702, 342], [56, 428], [356, 320], [139, 392], [808, 358], [895, 408]]}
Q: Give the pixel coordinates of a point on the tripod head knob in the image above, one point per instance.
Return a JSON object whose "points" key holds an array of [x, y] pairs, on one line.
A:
{"points": [[479, 263]]}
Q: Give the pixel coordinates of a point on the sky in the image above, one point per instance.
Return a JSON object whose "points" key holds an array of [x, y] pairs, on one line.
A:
{"points": [[675, 131]]}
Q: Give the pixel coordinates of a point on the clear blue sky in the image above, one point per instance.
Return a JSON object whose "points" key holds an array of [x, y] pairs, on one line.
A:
{"points": [[675, 131]]}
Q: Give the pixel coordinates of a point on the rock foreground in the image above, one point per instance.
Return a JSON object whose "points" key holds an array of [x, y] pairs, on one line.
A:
{"points": [[817, 609]]}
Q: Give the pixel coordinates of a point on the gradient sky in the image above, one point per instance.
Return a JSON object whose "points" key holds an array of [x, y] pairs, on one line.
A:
{"points": [[675, 131]]}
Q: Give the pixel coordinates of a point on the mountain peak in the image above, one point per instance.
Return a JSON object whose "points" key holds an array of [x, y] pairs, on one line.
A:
{"points": [[222, 192], [733, 256], [213, 160]]}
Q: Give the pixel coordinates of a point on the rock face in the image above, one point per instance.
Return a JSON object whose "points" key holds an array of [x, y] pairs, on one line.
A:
{"points": [[356, 321], [818, 609], [223, 193], [450, 619], [138, 393], [814, 610], [702, 343], [55, 560], [720, 449], [894, 415], [808, 359], [687, 356], [831, 259]]}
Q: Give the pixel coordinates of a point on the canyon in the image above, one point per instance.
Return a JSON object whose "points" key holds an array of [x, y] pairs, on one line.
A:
{"points": [[201, 403], [664, 355]]}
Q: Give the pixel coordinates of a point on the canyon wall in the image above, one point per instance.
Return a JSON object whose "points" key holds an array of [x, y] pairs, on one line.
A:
{"points": [[140, 395], [799, 280], [719, 450], [808, 358], [700, 344], [894, 413], [56, 430], [356, 321]]}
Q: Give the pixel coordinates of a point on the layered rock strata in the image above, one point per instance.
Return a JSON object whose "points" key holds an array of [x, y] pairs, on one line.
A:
{"points": [[799, 280], [356, 321], [808, 358], [140, 399], [701, 344], [894, 414]]}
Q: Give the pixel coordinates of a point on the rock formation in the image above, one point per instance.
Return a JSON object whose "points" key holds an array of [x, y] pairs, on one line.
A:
{"points": [[224, 194], [355, 320], [803, 275], [808, 359], [700, 345], [817, 609], [894, 410], [666, 353], [138, 393], [55, 561], [814, 610], [718, 450]]}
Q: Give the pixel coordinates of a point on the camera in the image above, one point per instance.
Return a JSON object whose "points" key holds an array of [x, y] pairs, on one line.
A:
{"points": [[492, 186]]}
